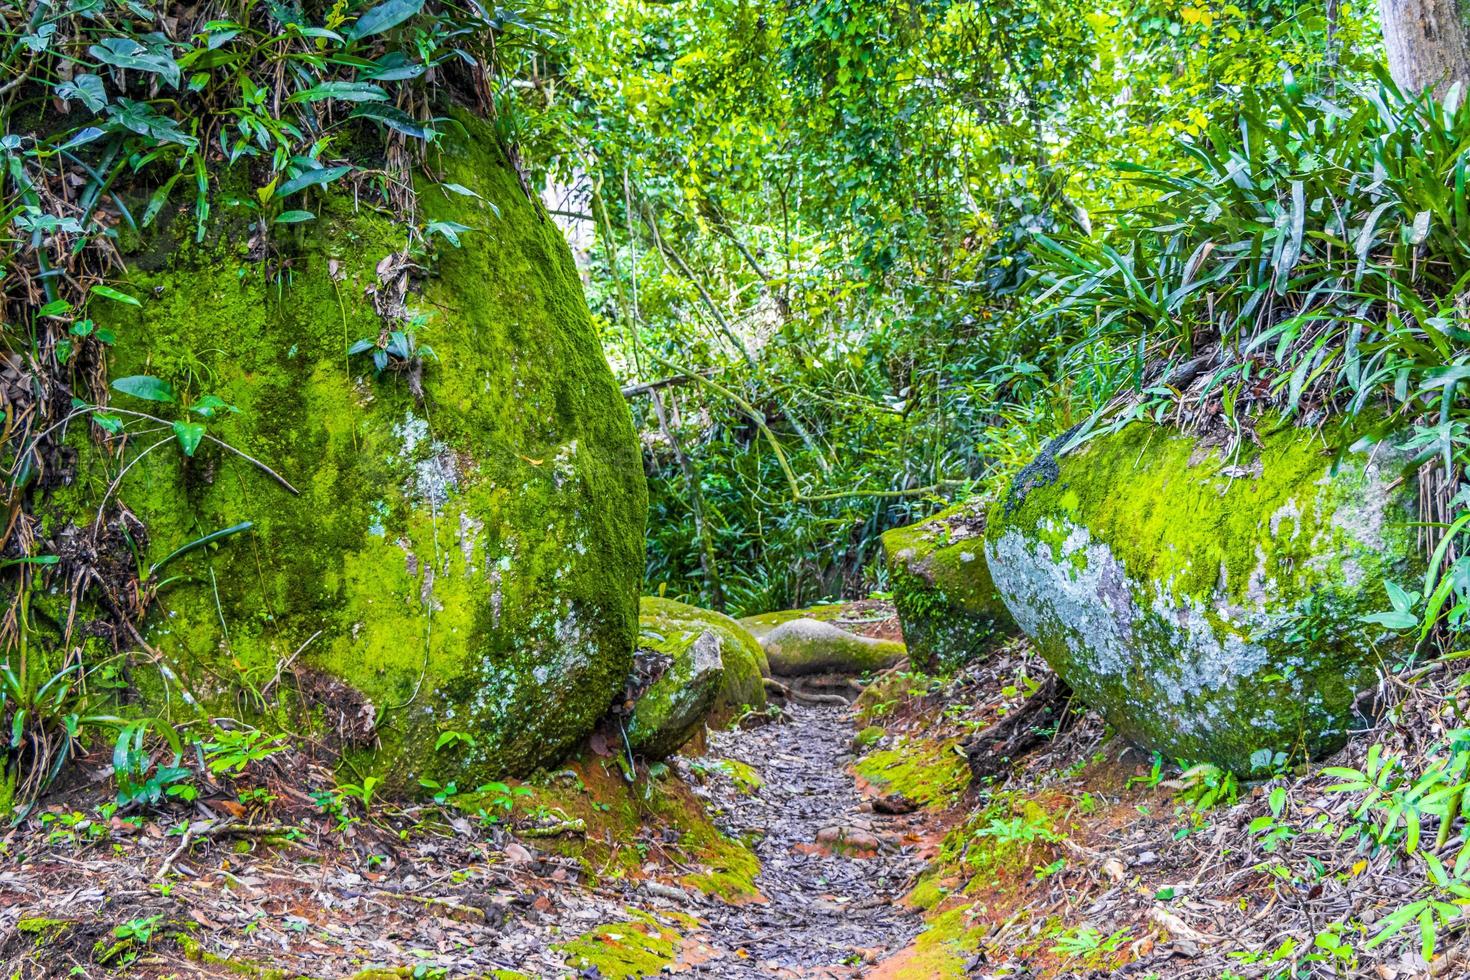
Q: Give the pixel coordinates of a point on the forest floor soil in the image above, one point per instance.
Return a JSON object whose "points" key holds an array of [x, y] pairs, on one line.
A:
{"points": [[283, 890], [877, 859]]}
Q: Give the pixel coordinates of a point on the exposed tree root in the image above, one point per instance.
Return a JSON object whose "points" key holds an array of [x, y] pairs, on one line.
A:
{"points": [[776, 687], [1046, 714]]}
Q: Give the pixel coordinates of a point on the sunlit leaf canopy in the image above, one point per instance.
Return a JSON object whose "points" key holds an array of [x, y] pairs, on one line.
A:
{"points": [[833, 207]]}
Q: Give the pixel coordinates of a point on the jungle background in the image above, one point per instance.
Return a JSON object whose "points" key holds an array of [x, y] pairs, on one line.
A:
{"points": [[850, 262], [831, 211]]}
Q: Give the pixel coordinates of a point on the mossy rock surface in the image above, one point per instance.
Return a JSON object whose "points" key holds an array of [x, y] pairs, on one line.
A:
{"points": [[467, 561], [1210, 606], [950, 608], [674, 706], [808, 646], [639, 947], [862, 616], [663, 621], [761, 624]]}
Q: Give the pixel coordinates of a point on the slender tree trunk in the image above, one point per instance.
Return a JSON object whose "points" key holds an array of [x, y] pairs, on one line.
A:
{"points": [[670, 255], [696, 503], [1428, 42]]}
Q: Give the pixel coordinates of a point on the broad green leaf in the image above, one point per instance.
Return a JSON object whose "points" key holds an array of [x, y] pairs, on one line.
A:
{"points": [[189, 434], [392, 67], [109, 293], [343, 91], [1393, 620], [450, 230], [146, 387], [395, 119], [124, 52], [385, 16], [1401, 600], [159, 199], [1420, 230], [108, 423], [311, 178], [86, 88], [211, 405]]}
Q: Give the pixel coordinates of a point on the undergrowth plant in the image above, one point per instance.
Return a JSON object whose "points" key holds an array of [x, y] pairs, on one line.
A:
{"points": [[1310, 261]]}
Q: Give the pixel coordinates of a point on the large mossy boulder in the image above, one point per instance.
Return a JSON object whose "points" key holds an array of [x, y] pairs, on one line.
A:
{"points": [[1210, 604], [466, 557], [800, 647], [668, 626], [950, 609]]}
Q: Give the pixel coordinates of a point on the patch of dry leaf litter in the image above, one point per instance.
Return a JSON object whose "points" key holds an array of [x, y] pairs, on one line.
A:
{"points": [[832, 870], [215, 888], [1125, 878]]}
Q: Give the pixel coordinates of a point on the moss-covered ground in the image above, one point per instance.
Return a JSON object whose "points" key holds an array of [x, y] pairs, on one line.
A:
{"points": [[641, 946], [928, 772], [625, 829]]}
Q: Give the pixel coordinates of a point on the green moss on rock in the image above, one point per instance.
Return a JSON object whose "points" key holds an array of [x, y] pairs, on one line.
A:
{"points": [[666, 620], [950, 609], [928, 772], [1208, 606], [640, 947], [468, 561], [806, 646], [674, 706], [761, 624]]}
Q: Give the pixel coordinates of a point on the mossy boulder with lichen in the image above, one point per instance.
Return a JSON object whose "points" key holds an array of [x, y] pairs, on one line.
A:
{"points": [[808, 646], [761, 624], [465, 549], [948, 605], [1210, 604], [670, 627]]}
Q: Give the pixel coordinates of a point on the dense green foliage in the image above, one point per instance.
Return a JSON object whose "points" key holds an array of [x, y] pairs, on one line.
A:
{"points": [[852, 261], [831, 210]]}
